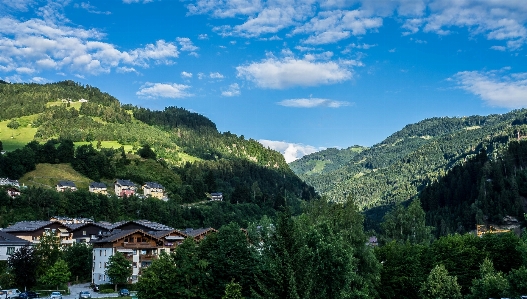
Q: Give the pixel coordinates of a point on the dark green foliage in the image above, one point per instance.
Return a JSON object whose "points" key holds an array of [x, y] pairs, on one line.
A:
{"points": [[399, 167], [56, 276], [173, 117], [230, 258], [79, 259], [440, 285], [490, 284], [146, 152], [48, 252], [480, 191], [23, 264], [233, 291], [119, 269], [13, 124], [406, 225], [157, 281]]}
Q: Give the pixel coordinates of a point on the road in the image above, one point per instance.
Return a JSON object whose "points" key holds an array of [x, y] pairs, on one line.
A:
{"points": [[77, 288]]}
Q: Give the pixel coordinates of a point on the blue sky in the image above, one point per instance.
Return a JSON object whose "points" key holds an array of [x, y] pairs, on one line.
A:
{"points": [[298, 76]]}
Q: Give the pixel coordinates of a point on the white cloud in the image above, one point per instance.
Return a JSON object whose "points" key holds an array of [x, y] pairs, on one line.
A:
{"points": [[225, 9], [125, 69], [312, 103], [216, 75], [233, 90], [186, 44], [40, 44], [291, 151], [186, 75], [203, 36], [279, 74], [91, 9], [163, 90], [499, 48], [332, 26], [21, 5], [201, 76], [137, 1], [495, 87]]}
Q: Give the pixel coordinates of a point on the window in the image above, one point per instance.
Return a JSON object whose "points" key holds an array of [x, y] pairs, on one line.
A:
{"points": [[84, 233], [100, 252], [135, 251], [105, 252], [134, 264], [104, 265], [100, 275], [100, 265], [10, 250]]}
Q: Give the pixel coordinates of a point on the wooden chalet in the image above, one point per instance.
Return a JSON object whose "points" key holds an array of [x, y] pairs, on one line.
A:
{"points": [[33, 230]]}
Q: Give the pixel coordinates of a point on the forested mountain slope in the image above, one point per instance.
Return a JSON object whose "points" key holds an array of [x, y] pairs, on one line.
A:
{"points": [[200, 160], [396, 169]]}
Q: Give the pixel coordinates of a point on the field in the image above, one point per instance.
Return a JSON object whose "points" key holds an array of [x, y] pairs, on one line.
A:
{"points": [[13, 139], [47, 176], [107, 144]]}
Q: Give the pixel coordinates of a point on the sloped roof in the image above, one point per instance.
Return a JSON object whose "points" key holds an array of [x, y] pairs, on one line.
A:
{"points": [[195, 232], [164, 233], [151, 225], [153, 185], [119, 234], [125, 183], [66, 184], [76, 226], [97, 185], [8, 239], [27, 226]]}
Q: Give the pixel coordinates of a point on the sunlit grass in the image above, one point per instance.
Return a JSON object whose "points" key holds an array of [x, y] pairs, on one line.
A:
{"points": [[13, 139], [47, 175]]}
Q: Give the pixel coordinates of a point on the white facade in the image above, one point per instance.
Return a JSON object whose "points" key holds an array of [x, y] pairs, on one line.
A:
{"points": [[7, 250], [100, 263]]}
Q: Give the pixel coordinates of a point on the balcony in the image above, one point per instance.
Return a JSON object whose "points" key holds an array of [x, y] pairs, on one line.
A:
{"points": [[138, 245]]}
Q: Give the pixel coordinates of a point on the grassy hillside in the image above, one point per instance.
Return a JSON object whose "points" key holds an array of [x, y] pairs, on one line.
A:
{"points": [[48, 175], [396, 169], [189, 156]]}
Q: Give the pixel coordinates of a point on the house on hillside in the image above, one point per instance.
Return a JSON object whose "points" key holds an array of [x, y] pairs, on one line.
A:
{"points": [[97, 187], [216, 196], [83, 101], [9, 244], [66, 186], [124, 188], [154, 190], [32, 231]]}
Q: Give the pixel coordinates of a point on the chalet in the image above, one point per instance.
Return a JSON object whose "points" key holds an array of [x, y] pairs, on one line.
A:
{"points": [[124, 188], [66, 186], [217, 196], [69, 220], [9, 244], [154, 190], [145, 225], [12, 192], [171, 238], [9, 183], [97, 187], [199, 233], [83, 101], [139, 247], [86, 232], [32, 231]]}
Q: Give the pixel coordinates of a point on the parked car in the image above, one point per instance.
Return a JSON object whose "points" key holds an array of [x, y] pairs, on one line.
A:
{"points": [[124, 292], [84, 295], [28, 295], [55, 295], [12, 293]]}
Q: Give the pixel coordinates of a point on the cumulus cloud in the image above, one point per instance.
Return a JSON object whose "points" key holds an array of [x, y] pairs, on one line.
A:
{"points": [[163, 90], [91, 9], [233, 90], [289, 72], [43, 44], [216, 75], [291, 151], [137, 1], [186, 44], [332, 26], [495, 87], [186, 75], [312, 103]]}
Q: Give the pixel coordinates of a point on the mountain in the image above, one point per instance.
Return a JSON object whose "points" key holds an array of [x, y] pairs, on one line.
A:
{"points": [[66, 122], [398, 168]]}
